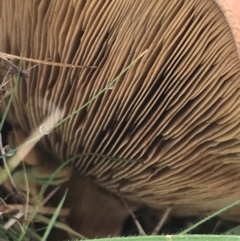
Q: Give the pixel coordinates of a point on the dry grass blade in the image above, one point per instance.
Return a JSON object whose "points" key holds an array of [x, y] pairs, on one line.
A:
{"points": [[4, 209], [8, 209], [29, 144], [12, 56]]}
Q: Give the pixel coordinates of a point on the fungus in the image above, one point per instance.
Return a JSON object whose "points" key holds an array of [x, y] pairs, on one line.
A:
{"points": [[176, 108]]}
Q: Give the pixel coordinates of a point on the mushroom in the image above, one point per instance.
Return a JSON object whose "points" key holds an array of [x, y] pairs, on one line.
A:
{"points": [[175, 112]]}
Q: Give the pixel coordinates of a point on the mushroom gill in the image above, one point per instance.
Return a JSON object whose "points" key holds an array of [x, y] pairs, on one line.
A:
{"points": [[176, 110]]}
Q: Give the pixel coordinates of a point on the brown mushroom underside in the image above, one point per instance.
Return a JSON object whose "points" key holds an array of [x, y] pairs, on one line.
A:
{"points": [[177, 108]]}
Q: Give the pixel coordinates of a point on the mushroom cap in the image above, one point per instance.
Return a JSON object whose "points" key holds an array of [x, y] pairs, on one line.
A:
{"points": [[175, 111]]}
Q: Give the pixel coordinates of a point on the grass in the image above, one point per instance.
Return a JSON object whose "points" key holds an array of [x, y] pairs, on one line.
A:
{"points": [[28, 230]]}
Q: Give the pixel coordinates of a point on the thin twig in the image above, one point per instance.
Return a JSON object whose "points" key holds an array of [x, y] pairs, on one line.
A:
{"points": [[161, 221], [15, 70], [219, 222], [49, 196], [138, 225]]}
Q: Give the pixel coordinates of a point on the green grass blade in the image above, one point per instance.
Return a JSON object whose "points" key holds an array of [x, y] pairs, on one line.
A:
{"points": [[233, 231], [33, 213], [55, 173], [60, 225], [210, 216], [32, 233], [101, 91], [89, 102], [11, 98], [6, 173], [54, 218], [2, 232], [5, 234], [174, 238]]}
